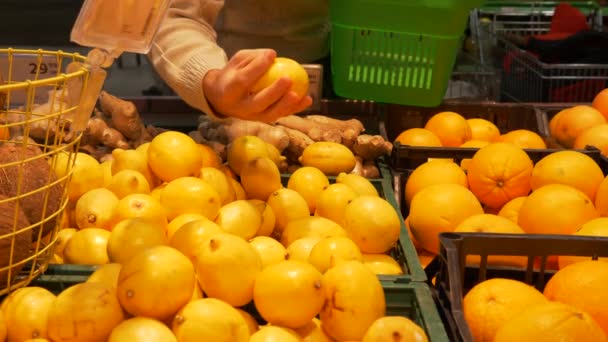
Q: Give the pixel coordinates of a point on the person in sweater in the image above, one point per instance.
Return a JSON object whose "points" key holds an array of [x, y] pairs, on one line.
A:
{"points": [[211, 52]]}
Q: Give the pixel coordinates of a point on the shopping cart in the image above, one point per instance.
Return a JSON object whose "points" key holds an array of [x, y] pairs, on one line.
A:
{"points": [[472, 80], [525, 78], [38, 101]]}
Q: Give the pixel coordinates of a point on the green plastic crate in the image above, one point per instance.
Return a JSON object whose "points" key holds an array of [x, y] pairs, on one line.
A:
{"points": [[396, 51], [413, 300]]}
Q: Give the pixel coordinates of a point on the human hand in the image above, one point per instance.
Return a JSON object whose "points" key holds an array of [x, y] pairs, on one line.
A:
{"points": [[228, 90]]}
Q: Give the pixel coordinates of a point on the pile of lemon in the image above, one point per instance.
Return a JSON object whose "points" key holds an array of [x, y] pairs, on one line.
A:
{"points": [[185, 242]]}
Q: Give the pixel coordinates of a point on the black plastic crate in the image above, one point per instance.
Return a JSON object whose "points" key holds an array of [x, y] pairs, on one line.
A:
{"points": [[454, 278]]}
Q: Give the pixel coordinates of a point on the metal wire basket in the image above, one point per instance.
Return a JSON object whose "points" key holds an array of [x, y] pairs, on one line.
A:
{"points": [[472, 80], [37, 102], [525, 78]]}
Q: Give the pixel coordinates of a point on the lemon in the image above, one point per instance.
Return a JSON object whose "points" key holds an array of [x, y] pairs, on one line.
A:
{"points": [[96, 208], [210, 157], [331, 251], [313, 332], [284, 67], [260, 177], [87, 173], [240, 218], [372, 223], [382, 264], [386, 328], [88, 247], [332, 202], [210, 319], [220, 182], [172, 155], [239, 192], [142, 206], [126, 182], [330, 157], [156, 283], [84, 312], [360, 184], [106, 166], [142, 329], [309, 182], [298, 284], [180, 220], [275, 155], [63, 236], [107, 274], [252, 324], [287, 205], [190, 195], [132, 236], [26, 313], [134, 160], [143, 148], [310, 226], [243, 149], [300, 249], [270, 250], [271, 333], [188, 238], [227, 268], [268, 217], [358, 300]]}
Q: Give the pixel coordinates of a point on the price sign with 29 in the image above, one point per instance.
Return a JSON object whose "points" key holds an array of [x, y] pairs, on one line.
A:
{"points": [[28, 67]]}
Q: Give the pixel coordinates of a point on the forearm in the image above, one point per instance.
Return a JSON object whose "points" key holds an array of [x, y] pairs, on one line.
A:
{"points": [[184, 49]]}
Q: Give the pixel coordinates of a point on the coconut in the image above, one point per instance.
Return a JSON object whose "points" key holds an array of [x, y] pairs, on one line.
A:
{"points": [[35, 175], [23, 240]]}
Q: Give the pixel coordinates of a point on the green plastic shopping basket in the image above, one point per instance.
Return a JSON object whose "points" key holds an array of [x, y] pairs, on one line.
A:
{"points": [[396, 51]]}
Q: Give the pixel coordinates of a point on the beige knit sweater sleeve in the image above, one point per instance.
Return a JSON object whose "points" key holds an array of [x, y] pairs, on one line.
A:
{"points": [[185, 48]]}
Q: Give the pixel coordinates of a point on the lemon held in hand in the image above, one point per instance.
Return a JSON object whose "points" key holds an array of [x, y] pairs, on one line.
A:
{"points": [[284, 67]]}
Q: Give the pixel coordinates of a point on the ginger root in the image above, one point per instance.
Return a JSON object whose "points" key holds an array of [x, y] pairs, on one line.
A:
{"points": [[370, 147], [313, 130], [125, 118], [298, 141], [230, 129], [98, 132], [370, 170]]}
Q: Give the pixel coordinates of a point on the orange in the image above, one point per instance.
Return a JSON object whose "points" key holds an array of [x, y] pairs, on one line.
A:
{"points": [[571, 122], [88, 247], [172, 155], [464, 163], [410, 235], [425, 258], [498, 173], [555, 209], [190, 195], [26, 313], [451, 128], [132, 236], [418, 137], [433, 172], [582, 285], [550, 322], [569, 168], [523, 138], [595, 227], [210, 157], [511, 209], [300, 286], [488, 223], [596, 136], [440, 208], [284, 67], [601, 198], [159, 272], [84, 312], [483, 130], [491, 303], [600, 102], [141, 329]]}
